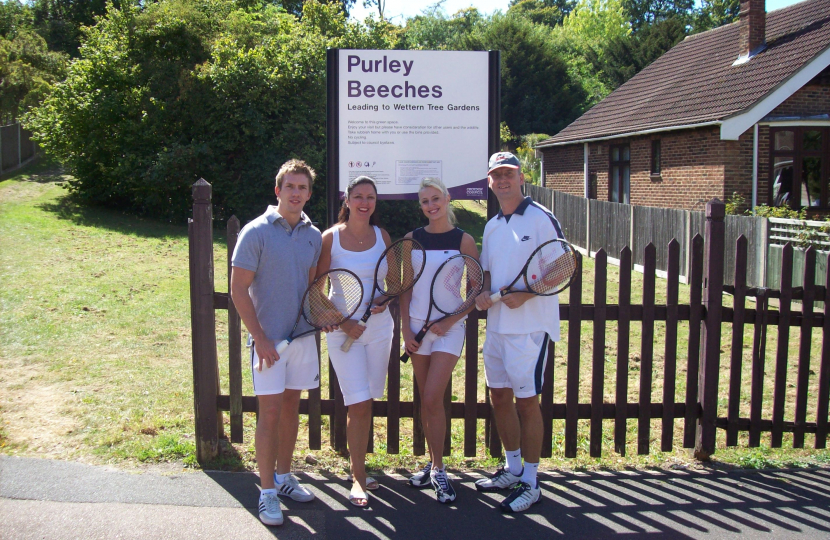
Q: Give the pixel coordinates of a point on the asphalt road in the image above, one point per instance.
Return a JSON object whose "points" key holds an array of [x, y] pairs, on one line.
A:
{"points": [[57, 500]]}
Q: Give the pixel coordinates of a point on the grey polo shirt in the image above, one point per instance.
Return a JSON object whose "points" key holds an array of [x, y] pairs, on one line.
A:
{"points": [[281, 259]]}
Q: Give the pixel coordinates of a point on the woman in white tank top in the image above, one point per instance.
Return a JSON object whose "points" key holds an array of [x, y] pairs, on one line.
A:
{"points": [[356, 244], [434, 359]]}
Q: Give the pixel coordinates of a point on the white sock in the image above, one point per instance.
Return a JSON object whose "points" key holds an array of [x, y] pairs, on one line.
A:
{"points": [[514, 461], [272, 491], [529, 476], [281, 478]]}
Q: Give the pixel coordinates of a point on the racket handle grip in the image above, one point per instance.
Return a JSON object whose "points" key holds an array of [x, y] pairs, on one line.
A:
{"points": [[348, 343], [281, 346], [419, 338], [496, 297]]}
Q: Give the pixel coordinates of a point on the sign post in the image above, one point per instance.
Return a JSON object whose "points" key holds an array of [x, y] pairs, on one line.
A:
{"points": [[401, 116]]}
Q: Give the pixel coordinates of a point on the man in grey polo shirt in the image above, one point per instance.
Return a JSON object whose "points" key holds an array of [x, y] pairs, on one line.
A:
{"points": [[274, 261]]}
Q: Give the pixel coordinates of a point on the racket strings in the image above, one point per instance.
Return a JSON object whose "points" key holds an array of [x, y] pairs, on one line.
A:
{"points": [[551, 268], [459, 281], [452, 280], [404, 261], [319, 308]]}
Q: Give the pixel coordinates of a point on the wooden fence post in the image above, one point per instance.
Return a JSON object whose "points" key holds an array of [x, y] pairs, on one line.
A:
{"points": [[711, 328], [203, 325], [234, 342]]}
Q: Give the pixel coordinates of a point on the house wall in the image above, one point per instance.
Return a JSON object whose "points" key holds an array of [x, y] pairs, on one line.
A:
{"points": [[696, 164], [565, 165], [811, 100], [692, 168]]}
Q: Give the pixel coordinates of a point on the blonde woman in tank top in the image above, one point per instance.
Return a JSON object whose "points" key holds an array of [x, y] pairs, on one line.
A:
{"points": [[356, 243], [434, 359]]}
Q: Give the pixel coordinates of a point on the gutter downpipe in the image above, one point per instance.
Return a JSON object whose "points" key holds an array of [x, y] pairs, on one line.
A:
{"points": [[585, 168], [755, 167]]}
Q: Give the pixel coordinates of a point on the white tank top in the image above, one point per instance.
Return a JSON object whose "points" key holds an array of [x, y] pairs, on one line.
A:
{"points": [[361, 263], [438, 247]]}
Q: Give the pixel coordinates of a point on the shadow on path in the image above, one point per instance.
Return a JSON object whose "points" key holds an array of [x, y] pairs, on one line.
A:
{"points": [[647, 504], [776, 504]]}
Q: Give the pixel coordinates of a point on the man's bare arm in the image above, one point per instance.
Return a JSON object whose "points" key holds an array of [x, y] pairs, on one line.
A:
{"points": [[241, 280]]}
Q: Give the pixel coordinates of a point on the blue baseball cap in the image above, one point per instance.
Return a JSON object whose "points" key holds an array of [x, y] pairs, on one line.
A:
{"points": [[503, 159]]}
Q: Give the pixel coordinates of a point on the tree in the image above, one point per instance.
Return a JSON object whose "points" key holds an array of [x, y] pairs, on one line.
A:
{"points": [[583, 40], [434, 30], [643, 13], [715, 13], [380, 4], [183, 89], [294, 7], [528, 158], [626, 56], [60, 22], [548, 12], [538, 94], [27, 72], [14, 16]]}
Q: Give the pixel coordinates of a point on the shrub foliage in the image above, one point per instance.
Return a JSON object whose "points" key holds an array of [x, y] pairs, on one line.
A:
{"points": [[184, 89]]}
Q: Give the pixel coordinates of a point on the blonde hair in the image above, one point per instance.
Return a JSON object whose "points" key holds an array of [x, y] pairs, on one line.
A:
{"points": [[296, 166], [439, 185]]}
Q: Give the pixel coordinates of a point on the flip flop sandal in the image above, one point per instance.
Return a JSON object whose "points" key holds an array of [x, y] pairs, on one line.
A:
{"points": [[359, 498], [371, 483]]}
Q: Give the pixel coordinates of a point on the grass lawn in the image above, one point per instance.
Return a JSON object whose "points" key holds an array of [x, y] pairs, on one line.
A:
{"points": [[95, 360]]}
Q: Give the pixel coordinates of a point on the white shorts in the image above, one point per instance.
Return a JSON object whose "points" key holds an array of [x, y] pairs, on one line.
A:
{"points": [[361, 372], [452, 342], [516, 361], [297, 369]]}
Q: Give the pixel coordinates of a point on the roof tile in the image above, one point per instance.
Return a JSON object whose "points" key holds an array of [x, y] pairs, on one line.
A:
{"points": [[695, 82]]}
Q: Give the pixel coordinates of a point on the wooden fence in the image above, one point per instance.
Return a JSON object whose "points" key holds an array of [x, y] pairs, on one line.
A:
{"points": [[16, 147], [592, 224], [697, 411]]}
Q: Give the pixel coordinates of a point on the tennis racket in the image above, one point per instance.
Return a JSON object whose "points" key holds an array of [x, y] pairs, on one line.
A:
{"points": [[549, 270], [319, 310], [454, 288], [397, 270]]}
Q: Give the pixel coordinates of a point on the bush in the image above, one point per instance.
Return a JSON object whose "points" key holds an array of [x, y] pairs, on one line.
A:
{"points": [[400, 217], [184, 89], [735, 204], [27, 72], [803, 236]]}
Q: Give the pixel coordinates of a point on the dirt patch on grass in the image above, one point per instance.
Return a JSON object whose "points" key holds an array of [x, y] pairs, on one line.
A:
{"points": [[37, 416]]}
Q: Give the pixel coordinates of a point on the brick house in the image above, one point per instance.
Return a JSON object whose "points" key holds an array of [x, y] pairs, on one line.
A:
{"points": [[742, 108]]}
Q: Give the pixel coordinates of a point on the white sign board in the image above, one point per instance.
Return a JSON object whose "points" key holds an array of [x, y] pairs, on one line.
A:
{"points": [[406, 115]]}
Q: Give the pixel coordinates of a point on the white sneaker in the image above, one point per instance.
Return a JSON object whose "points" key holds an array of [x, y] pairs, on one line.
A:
{"points": [[444, 491], [270, 512], [502, 479], [291, 488], [522, 498], [421, 478]]}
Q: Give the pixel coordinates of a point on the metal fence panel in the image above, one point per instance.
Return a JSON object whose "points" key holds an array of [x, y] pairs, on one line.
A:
{"points": [[610, 226]]}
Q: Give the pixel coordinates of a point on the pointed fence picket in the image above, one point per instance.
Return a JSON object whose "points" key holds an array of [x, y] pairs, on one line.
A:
{"points": [[697, 410]]}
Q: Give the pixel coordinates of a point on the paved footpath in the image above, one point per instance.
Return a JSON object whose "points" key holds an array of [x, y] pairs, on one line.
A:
{"points": [[58, 499]]}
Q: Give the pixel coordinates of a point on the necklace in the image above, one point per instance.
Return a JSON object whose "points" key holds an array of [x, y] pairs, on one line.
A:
{"points": [[359, 241]]}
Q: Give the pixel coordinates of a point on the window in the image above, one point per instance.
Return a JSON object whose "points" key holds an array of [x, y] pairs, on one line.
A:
{"points": [[655, 157], [800, 158], [619, 174]]}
